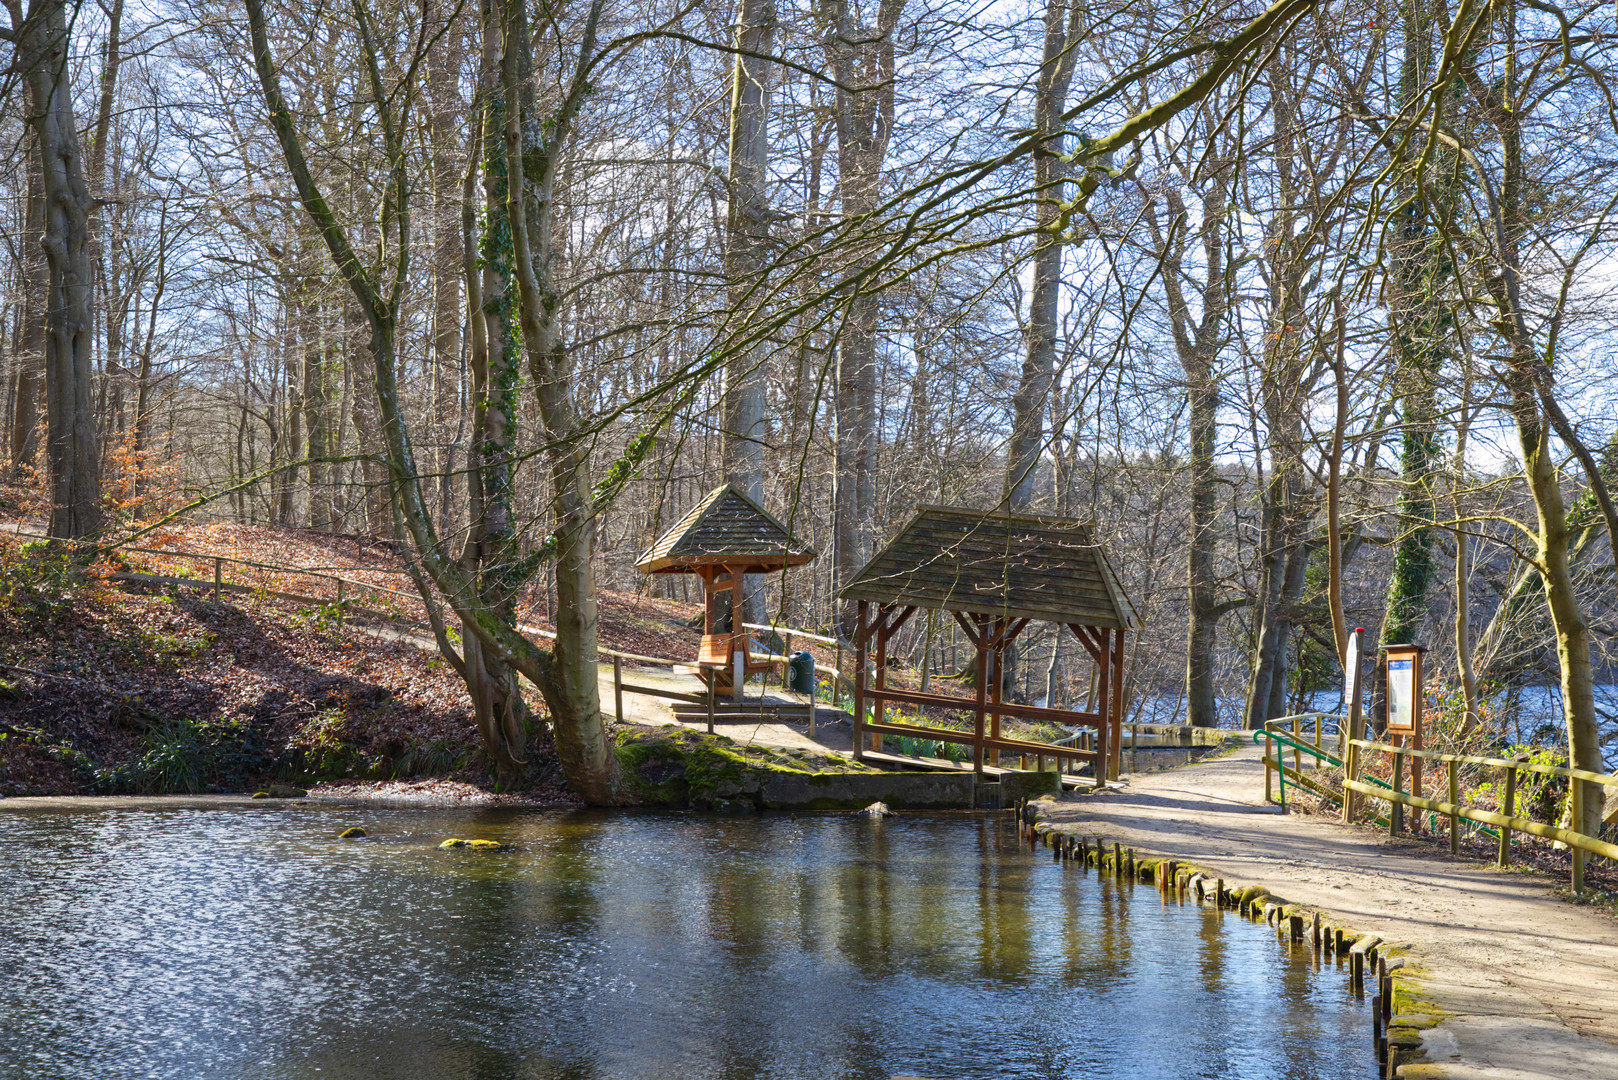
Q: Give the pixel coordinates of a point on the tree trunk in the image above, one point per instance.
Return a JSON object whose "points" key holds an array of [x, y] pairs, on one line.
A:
{"points": [[449, 256], [312, 338], [71, 446], [747, 226], [533, 145], [1526, 380], [490, 553], [1063, 23], [31, 332], [861, 59]]}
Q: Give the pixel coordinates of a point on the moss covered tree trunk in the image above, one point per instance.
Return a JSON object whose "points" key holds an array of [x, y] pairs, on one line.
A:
{"points": [[534, 141]]}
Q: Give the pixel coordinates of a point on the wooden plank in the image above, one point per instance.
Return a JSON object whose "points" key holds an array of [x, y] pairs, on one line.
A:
{"points": [[1009, 708], [653, 691], [969, 628], [967, 738], [1508, 804]]}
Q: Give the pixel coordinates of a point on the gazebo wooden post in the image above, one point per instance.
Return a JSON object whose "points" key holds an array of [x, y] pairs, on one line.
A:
{"points": [[981, 641], [859, 680], [879, 709], [1103, 758], [705, 576], [738, 638], [996, 675], [1116, 734]]}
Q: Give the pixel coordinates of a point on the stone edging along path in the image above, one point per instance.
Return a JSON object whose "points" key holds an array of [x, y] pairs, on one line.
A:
{"points": [[1476, 974]]}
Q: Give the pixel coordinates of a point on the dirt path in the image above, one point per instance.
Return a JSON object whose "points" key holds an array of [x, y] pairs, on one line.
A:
{"points": [[1538, 975]]}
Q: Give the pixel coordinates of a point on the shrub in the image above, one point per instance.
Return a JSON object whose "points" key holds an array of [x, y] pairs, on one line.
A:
{"points": [[38, 582], [184, 757]]}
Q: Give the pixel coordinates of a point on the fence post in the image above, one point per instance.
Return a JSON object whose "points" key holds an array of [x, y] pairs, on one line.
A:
{"points": [[339, 603], [1576, 790], [218, 572], [1269, 783], [1454, 814], [839, 670], [618, 686], [1396, 809], [1351, 771], [1508, 807], [1297, 755]]}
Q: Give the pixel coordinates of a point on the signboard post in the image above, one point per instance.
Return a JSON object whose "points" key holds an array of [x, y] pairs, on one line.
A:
{"points": [[1351, 686], [1404, 708]]}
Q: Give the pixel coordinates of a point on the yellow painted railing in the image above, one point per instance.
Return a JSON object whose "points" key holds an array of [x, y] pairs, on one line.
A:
{"points": [[1506, 820]]}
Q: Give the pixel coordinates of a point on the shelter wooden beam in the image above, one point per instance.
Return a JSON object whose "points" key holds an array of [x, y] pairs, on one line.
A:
{"points": [[972, 627], [1021, 746], [1008, 708]]}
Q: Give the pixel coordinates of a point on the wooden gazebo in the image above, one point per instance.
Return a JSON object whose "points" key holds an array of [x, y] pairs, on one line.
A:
{"points": [[726, 536], [995, 573]]}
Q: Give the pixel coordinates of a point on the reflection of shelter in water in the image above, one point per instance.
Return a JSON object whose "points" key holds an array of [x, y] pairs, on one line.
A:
{"points": [[724, 537], [995, 573]]}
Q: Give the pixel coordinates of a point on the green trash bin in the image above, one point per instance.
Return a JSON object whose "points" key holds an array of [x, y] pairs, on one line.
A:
{"points": [[801, 672]]}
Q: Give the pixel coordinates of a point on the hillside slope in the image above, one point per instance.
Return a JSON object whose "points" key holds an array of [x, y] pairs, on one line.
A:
{"points": [[110, 686]]}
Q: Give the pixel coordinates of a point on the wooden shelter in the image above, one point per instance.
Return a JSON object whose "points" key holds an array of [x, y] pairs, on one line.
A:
{"points": [[726, 536], [995, 573]]}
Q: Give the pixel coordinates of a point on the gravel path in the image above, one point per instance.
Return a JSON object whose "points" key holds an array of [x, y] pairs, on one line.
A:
{"points": [[1539, 974]]}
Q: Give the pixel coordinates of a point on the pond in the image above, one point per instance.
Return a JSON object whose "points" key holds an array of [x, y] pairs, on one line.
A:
{"points": [[199, 942]]}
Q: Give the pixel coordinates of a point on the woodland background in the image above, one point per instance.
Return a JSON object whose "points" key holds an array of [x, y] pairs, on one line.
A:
{"points": [[1288, 343]]}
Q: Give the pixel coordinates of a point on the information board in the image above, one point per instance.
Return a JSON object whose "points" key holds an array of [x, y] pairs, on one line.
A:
{"points": [[1402, 693]]}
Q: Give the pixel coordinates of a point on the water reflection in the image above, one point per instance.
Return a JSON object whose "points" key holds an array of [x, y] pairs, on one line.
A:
{"points": [[194, 943]]}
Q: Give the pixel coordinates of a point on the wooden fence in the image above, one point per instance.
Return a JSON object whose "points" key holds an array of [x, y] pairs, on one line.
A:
{"points": [[1506, 820], [343, 592]]}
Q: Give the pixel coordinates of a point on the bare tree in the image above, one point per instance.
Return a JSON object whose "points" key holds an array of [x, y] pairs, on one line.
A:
{"points": [[40, 41]]}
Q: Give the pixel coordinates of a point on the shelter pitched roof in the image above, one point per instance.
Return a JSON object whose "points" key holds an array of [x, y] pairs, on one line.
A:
{"points": [[725, 527], [1010, 565]]}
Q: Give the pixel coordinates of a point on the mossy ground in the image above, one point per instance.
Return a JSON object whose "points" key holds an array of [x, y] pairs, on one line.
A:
{"points": [[675, 766]]}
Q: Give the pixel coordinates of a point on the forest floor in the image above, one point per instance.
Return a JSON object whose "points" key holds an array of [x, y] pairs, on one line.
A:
{"points": [[1539, 975]]}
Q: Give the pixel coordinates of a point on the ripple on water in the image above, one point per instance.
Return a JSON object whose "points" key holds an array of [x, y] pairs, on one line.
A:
{"points": [[199, 943]]}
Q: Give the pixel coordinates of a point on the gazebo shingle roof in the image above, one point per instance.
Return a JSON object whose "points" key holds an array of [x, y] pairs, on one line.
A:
{"points": [[1009, 565], [726, 527]]}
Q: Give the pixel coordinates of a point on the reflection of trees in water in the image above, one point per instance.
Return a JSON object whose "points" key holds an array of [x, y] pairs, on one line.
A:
{"points": [[1003, 947]]}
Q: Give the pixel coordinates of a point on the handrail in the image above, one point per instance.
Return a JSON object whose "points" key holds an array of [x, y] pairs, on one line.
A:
{"points": [[1289, 741], [1280, 766], [1301, 781], [527, 628], [1605, 779], [1488, 817], [1578, 843], [788, 631]]}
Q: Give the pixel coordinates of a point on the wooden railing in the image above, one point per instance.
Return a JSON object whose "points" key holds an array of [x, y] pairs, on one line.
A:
{"points": [[1506, 820], [344, 589]]}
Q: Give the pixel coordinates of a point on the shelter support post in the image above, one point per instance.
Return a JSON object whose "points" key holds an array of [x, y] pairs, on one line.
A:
{"points": [[1104, 705], [738, 638], [859, 680], [1116, 731]]}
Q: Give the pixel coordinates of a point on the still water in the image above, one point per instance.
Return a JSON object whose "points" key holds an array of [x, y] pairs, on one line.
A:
{"points": [[197, 943]]}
